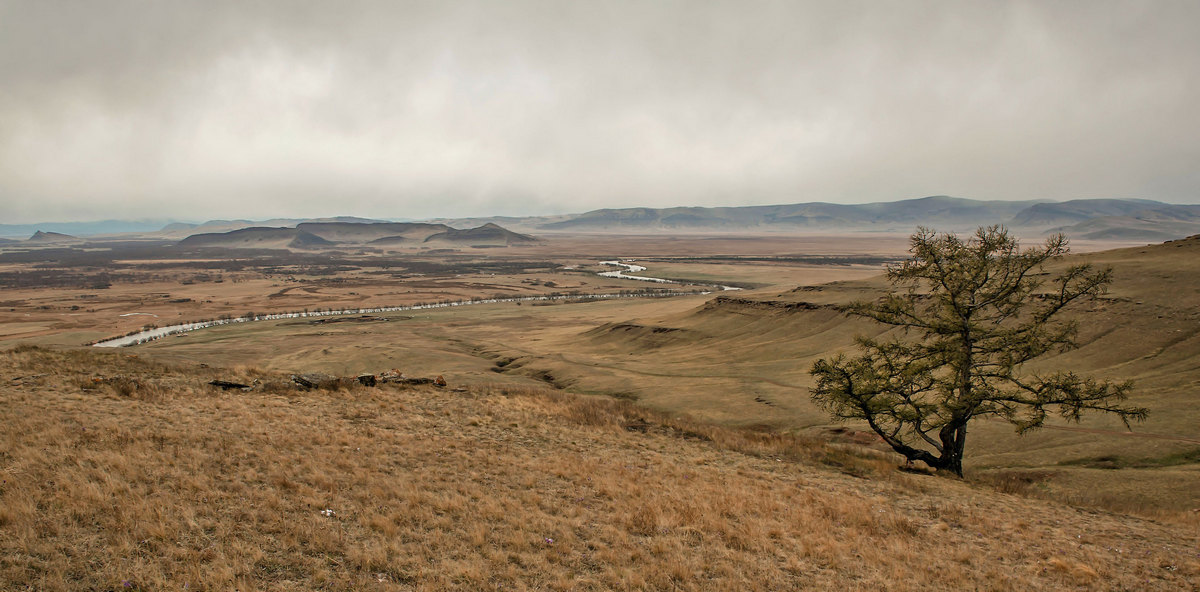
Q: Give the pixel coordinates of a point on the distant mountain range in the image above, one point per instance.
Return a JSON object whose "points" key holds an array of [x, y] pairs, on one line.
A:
{"points": [[1111, 219], [900, 215], [81, 228], [1115, 219], [158, 228]]}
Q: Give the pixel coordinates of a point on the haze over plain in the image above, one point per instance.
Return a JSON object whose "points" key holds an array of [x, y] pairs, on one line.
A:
{"points": [[416, 110]]}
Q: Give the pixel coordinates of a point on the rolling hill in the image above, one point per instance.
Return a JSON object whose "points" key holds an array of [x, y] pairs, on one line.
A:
{"points": [[744, 359], [1158, 223]]}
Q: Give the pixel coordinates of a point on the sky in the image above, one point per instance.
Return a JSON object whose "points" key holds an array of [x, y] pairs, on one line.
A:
{"points": [[391, 109]]}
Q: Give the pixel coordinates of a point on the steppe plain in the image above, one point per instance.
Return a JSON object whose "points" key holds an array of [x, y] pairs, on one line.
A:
{"points": [[633, 443]]}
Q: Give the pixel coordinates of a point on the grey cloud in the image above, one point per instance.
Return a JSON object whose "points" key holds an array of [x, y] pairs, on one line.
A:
{"points": [[425, 109]]}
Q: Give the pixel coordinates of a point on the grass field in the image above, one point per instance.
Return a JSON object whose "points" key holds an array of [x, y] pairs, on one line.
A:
{"points": [[741, 359], [127, 473], [635, 444]]}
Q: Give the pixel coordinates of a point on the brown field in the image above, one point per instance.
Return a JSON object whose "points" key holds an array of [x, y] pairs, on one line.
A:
{"points": [[439, 489], [80, 296]]}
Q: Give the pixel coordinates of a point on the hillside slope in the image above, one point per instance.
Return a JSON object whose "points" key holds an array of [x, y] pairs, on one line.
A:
{"points": [[154, 480], [744, 360]]}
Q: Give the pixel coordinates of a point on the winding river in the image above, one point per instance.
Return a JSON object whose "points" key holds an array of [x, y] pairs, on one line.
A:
{"points": [[631, 268], [160, 332]]}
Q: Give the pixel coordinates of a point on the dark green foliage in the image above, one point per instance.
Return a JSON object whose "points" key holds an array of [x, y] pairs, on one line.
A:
{"points": [[970, 313]]}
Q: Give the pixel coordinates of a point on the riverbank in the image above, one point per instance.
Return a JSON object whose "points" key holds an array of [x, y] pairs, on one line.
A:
{"points": [[154, 333]]}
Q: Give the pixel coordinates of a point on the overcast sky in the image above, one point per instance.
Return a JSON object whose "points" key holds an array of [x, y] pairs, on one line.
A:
{"points": [[198, 110]]}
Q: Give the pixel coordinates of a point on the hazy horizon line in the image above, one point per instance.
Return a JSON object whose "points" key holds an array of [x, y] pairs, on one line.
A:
{"points": [[198, 221]]}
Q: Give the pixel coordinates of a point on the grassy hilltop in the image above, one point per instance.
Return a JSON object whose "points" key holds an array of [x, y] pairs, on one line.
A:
{"points": [[125, 473]]}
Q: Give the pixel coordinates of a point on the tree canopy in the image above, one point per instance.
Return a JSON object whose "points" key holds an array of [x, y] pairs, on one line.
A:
{"points": [[969, 314]]}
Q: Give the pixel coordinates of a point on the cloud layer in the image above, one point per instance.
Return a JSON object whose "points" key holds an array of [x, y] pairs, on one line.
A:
{"points": [[387, 109]]}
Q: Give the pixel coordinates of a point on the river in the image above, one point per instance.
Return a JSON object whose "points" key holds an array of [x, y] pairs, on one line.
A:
{"points": [[632, 268], [160, 332]]}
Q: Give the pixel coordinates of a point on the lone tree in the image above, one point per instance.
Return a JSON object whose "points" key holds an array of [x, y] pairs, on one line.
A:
{"points": [[969, 314]]}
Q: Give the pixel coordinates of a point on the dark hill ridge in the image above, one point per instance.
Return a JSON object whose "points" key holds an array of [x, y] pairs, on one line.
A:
{"points": [[255, 236], [356, 232], [51, 237], [259, 238], [488, 234], [321, 235]]}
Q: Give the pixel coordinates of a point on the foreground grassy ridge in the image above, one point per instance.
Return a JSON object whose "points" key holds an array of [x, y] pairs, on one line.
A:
{"points": [[149, 479]]}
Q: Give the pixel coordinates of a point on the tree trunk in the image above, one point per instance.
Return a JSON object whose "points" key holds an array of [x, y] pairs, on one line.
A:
{"points": [[953, 462], [953, 437], [954, 440]]}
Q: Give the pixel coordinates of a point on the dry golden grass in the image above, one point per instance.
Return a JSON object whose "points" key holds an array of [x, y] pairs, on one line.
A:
{"points": [[742, 359], [149, 479], [734, 363]]}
